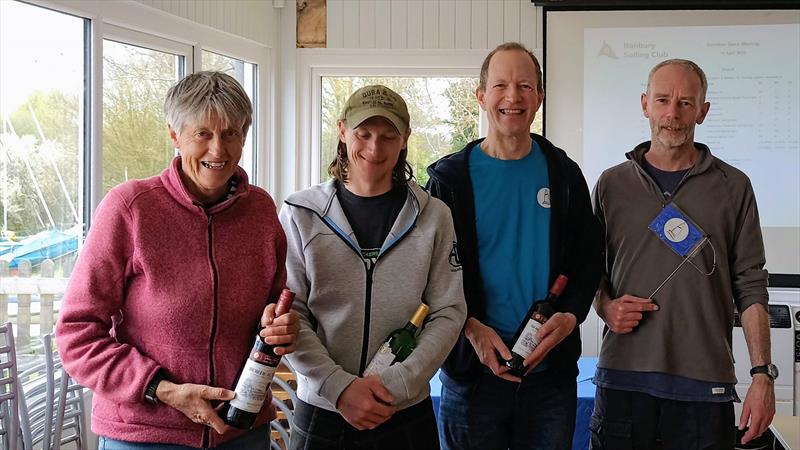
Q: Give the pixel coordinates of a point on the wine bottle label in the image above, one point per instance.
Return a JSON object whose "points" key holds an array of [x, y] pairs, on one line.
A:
{"points": [[527, 339], [251, 389], [383, 359]]}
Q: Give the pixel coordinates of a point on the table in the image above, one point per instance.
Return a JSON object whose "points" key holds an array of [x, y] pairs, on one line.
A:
{"points": [[586, 368]]}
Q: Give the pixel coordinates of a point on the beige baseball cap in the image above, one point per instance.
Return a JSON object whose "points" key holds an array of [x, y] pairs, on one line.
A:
{"points": [[376, 100]]}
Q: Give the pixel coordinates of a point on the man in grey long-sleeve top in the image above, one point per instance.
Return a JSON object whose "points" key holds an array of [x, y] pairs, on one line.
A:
{"points": [[666, 366]]}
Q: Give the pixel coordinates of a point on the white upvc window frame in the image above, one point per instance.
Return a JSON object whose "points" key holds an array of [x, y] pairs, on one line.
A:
{"points": [[138, 24], [313, 64]]}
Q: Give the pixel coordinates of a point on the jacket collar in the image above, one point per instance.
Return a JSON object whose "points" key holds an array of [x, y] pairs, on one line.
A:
{"points": [[171, 179], [321, 199], [704, 161], [449, 170]]}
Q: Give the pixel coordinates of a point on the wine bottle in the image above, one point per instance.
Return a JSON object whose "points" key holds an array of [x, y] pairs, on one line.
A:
{"points": [[255, 376], [526, 339], [400, 343]]}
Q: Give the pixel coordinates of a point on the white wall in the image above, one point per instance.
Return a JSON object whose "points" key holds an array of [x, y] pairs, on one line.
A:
{"points": [[256, 20], [432, 24]]}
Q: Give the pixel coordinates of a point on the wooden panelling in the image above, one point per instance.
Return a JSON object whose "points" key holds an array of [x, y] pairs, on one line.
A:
{"points": [[399, 23], [447, 24], [367, 23], [351, 24], [383, 24], [431, 24], [252, 19], [415, 23]]}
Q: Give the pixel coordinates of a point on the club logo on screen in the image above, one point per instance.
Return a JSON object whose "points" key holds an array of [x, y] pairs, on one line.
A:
{"points": [[676, 229], [543, 197], [607, 51]]}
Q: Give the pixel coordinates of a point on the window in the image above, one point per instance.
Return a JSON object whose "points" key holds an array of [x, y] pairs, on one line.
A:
{"points": [[136, 79], [444, 115], [42, 109], [245, 73], [439, 87], [57, 158]]}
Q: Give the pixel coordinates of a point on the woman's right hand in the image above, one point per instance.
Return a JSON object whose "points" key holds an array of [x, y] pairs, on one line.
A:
{"points": [[194, 401]]}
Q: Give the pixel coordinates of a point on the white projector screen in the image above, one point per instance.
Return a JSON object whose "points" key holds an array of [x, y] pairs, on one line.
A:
{"points": [[596, 66]]}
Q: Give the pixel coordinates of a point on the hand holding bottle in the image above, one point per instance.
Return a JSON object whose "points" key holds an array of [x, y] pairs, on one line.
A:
{"points": [[366, 403], [488, 345], [557, 327], [255, 376], [194, 401], [281, 330]]}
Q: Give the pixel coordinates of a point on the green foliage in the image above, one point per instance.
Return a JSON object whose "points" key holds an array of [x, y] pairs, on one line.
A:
{"points": [[136, 142], [444, 116]]}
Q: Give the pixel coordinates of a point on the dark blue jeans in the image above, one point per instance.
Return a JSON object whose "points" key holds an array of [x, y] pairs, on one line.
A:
{"points": [[495, 414], [624, 420], [413, 428]]}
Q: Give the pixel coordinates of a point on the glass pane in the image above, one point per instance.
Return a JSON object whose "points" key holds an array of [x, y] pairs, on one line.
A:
{"points": [[444, 116], [245, 74], [42, 97], [136, 143]]}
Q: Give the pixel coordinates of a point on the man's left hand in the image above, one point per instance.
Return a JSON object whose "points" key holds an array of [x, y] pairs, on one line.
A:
{"points": [[557, 327], [758, 408]]}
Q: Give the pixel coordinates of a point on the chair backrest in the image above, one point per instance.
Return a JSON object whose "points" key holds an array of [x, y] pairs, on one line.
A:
{"points": [[284, 398], [51, 403], [70, 409], [9, 389]]}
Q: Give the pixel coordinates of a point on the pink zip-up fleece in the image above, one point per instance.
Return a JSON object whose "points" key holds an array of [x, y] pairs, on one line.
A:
{"points": [[162, 283]]}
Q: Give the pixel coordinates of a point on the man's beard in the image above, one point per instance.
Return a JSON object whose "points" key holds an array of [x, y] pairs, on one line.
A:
{"points": [[681, 134]]}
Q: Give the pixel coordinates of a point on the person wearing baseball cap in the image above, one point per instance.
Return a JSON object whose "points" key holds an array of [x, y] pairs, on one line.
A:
{"points": [[365, 249]]}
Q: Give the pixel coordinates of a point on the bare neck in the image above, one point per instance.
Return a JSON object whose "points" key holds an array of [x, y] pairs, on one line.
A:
{"points": [[506, 147]]}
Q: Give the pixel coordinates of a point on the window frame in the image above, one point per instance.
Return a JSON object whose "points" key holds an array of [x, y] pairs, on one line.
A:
{"points": [[313, 64], [138, 24]]}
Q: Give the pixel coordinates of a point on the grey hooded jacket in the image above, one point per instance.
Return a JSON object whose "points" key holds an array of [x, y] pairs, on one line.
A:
{"points": [[348, 305]]}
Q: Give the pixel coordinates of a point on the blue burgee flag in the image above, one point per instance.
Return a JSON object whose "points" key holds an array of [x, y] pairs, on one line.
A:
{"points": [[676, 230]]}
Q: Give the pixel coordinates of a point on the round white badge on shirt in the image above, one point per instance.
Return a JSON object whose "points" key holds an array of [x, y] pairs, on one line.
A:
{"points": [[676, 229], [543, 197]]}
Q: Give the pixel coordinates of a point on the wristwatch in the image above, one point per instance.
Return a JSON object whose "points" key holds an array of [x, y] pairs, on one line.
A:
{"points": [[769, 370], [150, 392]]}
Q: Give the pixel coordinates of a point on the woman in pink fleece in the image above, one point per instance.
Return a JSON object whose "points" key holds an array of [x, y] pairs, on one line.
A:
{"points": [[176, 274]]}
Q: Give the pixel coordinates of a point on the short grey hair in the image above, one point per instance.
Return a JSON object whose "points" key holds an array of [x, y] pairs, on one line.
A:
{"points": [[686, 64], [201, 94]]}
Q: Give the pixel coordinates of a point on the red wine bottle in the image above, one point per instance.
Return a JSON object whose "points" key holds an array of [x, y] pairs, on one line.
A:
{"points": [[526, 339], [255, 376]]}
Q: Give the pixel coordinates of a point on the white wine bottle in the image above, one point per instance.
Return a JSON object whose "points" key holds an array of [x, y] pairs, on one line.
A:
{"points": [[400, 343], [255, 376]]}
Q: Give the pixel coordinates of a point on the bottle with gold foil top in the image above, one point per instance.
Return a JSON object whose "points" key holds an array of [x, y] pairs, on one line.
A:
{"points": [[400, 343], [255, 376]]}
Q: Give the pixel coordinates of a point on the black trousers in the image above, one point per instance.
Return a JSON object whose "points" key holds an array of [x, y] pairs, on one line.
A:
{"points": [[624, 420], [413, 428]]}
